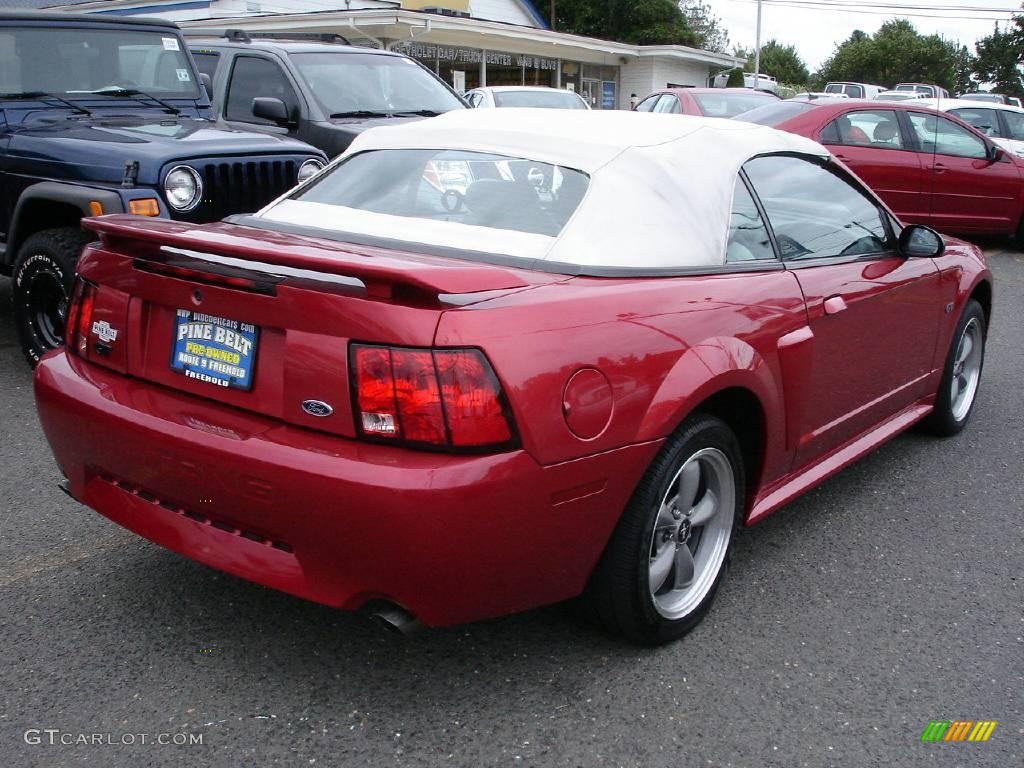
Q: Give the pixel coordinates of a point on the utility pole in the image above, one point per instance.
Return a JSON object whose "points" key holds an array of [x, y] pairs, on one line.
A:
{"points": [[757, 47], [553, 15]]}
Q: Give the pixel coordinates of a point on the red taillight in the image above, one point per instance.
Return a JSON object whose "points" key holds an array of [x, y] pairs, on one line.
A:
{"points": [[447, 398], [471, 398], [76, 334]]}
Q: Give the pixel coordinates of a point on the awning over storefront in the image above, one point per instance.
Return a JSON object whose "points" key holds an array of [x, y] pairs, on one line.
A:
{"points": [[469, 52]]}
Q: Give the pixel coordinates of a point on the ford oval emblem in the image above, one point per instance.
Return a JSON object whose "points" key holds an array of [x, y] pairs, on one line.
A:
{"points": [[317, 408]]}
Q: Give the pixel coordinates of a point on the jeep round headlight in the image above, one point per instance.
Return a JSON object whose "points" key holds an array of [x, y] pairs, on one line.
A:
{"points": [[183, 188], [309, 169]]}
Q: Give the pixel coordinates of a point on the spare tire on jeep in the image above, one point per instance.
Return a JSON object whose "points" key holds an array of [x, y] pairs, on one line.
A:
{"points": [[43, 274]]}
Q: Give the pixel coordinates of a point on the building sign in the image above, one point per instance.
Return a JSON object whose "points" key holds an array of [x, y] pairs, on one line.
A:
{"points": [[474, 56], [608, 94], [537, 62]]}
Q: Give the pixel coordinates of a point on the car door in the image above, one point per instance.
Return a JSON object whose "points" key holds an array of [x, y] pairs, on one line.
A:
{"points": [[966, 191], [872, 144], [253, 76], [873, 315]]}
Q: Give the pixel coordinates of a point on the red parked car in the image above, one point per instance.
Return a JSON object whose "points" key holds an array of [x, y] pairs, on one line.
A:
{"points": [[501, 358], [707, 102], [929, 167]]}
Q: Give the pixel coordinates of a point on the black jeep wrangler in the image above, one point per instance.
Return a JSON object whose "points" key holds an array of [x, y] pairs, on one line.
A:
{"points": [[102, 115], [316, 88]]}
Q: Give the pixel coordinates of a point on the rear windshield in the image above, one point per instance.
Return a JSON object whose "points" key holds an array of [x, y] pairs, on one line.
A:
{"points": [[474, 188], [80, 61], [539, 99], [730, 104], [775, 113]]}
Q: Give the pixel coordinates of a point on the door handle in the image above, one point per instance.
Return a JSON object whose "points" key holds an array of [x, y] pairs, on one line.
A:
{"points": [[940, 168], [834, 304]]}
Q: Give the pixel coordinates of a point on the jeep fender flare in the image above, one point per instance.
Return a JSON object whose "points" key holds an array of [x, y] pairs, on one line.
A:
{"points": [[59, 193]]}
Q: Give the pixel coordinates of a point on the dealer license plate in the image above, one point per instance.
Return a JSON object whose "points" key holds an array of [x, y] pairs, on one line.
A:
{"points": [[213, 349]]}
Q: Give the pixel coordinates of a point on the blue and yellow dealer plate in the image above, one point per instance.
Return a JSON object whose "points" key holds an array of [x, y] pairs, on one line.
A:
{"points": [[213, 349]]}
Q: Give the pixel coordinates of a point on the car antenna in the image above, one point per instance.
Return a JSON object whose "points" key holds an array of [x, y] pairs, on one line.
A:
{"points": [[935, 157]]}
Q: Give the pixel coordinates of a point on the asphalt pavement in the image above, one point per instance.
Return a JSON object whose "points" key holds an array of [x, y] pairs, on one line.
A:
{"points": [[889, 597]]}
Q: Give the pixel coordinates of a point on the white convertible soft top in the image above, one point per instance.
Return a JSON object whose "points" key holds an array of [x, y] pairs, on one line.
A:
{"points": [[660, 192]]}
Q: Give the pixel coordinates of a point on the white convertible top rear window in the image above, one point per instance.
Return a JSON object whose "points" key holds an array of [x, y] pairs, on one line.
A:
{"points": [[477, 189], [590, 188]]}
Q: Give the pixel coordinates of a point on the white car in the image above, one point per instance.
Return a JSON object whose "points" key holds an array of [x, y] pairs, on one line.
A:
{"points": [[925, 89], [853, 90], [998, 98], [1002, 123], [898, 95], [530, 97]]}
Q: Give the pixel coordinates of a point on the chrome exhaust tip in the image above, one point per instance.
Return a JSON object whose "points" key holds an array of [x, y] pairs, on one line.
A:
{"points": [[395, 619]]}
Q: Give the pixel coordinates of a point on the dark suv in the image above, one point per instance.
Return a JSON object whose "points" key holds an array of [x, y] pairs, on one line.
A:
{"points": [[101, 115], [321, 92]]}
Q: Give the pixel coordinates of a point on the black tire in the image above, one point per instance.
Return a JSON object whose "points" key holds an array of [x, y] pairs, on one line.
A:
{"points": [[43, 276], [943, 420], [619, 595]]}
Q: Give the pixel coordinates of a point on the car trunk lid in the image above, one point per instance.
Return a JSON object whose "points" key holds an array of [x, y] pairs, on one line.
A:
{"points": [[270, 314]]}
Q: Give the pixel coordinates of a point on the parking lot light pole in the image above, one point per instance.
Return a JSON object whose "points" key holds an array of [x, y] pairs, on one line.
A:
{"points": [[757, 48]]}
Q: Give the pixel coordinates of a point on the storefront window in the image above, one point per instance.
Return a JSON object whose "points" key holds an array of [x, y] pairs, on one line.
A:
{"points": [[460, 68], [599, 86], [571, 76]]}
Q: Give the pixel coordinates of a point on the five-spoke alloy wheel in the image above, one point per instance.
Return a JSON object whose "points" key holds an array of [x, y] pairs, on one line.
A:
{"points": [[660, 571], [958, 389]]}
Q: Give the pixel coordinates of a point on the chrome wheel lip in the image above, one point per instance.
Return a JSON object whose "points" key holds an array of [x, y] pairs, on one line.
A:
{"points": [[967, 361], [708, 542]]}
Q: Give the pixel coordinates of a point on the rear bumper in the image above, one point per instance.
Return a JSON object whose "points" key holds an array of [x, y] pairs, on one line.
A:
{"points": [[450, 538]]}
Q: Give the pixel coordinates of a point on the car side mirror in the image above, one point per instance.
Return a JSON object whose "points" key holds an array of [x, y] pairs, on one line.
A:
{"points": [[207, 83], [270, 108], [917, 241], [995, 153]]}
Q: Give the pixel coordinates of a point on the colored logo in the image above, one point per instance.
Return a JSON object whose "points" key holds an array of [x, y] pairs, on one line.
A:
{"points": [[317, 408], [958, 730]]}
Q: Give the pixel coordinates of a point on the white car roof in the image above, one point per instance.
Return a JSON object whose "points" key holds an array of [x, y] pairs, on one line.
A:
{"points": [[944, 105], [660, 192], [542, 88]]}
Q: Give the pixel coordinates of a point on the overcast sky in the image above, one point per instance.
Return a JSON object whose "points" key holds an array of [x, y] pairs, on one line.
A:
{"points": [[815, 31]]}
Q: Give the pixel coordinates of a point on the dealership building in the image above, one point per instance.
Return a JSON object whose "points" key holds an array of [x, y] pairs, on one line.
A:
{"points": [[469, 43]]}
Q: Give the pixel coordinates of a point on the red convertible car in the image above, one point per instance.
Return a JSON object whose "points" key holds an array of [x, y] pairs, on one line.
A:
{"points": [[929, 167], [503, 358]]}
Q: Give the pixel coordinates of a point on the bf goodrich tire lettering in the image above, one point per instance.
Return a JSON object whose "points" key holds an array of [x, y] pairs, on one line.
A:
{"points": [[43, 276]]}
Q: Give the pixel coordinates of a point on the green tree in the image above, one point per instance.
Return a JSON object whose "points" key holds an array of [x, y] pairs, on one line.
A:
{"points": [[642, 22], [897, 52], [999, 58], [964, 67], [710, 33], [780, 61]]}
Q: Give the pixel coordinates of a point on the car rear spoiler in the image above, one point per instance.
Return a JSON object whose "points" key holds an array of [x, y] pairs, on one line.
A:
{"points": [[380, 270]]}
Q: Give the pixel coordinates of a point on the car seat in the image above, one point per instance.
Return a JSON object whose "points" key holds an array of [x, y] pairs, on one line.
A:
{"points": [[849, 133], [503, 204], [885, 132]]}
